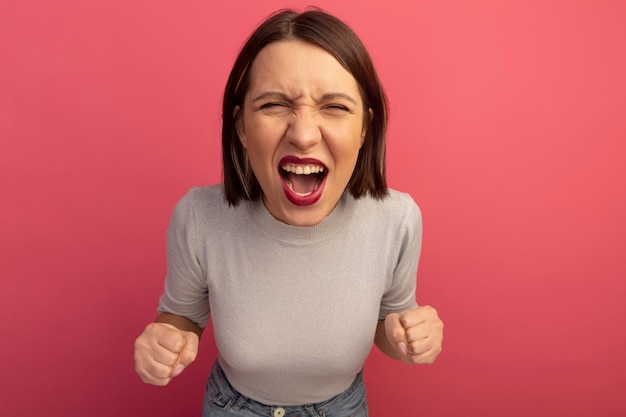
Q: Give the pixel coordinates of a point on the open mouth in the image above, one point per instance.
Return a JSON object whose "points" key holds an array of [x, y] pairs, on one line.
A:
{"points": [[303, 180]]}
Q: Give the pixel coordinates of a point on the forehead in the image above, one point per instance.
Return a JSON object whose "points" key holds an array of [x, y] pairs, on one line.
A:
{"points": [[295, 66]]}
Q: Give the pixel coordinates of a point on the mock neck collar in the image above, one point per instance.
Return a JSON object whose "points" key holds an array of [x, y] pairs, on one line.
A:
{"points": [[331, 225]]}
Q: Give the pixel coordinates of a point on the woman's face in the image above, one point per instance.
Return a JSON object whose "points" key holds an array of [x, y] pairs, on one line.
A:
{"points": [[302, 124]]}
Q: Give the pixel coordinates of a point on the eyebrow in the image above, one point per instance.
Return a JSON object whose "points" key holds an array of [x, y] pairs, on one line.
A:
{"points": [[325, 97]]}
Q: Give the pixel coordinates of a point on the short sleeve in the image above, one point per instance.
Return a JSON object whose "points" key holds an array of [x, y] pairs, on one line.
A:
{"points": [[400, 293], [186, 291]]}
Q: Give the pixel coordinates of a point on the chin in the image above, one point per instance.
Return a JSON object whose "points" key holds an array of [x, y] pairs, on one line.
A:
{"points": [[304, 218], [304, 221]]}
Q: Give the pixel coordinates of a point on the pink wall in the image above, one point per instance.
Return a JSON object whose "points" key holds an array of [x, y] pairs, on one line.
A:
{"points": [[508, 126]]}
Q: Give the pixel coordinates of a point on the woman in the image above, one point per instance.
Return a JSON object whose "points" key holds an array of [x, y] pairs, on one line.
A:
{"points": [[303, 257]]}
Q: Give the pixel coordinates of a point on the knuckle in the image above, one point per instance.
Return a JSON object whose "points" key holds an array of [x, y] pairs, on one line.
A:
{"points": [[391, 319], [177, 345], [186, 358], [140, 344], [397, 334], [170, 360], [440, 325], [415, 346], [152, 328], [431, 311], [162, 373], [406, 320]]}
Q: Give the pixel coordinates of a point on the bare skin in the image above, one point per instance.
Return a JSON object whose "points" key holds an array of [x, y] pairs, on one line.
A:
{"points": [[165, 348], [414, 337]]}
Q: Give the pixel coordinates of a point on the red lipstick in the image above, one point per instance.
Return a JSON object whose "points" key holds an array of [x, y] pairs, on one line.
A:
{"points": [[303, 179]]}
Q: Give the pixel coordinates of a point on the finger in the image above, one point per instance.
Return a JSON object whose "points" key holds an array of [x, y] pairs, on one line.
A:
{"points": [[169, 337], [155, 374], [190, 351], [425, 352], [412, 318], [154, 344], [419, 346], [426, 358], [417, 333], [422, 322], [419, 315], [395, 333], [151, 371], [188, 354], [157, 352], [165, 357], [425, 342], [424, 334]]}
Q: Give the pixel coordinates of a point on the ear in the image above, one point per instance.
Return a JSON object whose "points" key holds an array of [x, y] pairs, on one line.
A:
{"points": [[241, 134], [365, 125]]}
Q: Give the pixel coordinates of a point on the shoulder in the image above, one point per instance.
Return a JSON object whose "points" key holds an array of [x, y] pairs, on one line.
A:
{"points": [[396, 206], [394, 216], [211, 195], [401, 202], [207, 198], [203, 203]]}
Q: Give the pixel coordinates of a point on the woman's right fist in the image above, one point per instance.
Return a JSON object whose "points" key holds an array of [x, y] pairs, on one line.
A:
{"points": [[163, 351]]}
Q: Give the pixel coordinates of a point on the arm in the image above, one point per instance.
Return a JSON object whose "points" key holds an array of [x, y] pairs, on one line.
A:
{"points": [[416, 335], [181, 323], [383, 344], [170, 343]]}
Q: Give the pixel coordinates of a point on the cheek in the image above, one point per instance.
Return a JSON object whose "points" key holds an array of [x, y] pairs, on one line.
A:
{"points": [[253, 135], [347, 145], [263, 131], [261, 146]]}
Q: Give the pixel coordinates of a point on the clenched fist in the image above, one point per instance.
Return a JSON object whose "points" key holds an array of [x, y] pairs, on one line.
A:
{"points": [[163, 351], [415, 336]]}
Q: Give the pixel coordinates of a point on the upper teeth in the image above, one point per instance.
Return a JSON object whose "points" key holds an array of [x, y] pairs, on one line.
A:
{"points": [[303, 169]]}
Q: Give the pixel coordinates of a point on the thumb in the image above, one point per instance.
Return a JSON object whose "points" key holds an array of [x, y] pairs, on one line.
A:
{"points": [[396, 334], [188, 354]]}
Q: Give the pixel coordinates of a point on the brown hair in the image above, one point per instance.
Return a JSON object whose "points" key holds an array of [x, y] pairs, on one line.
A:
{"points": [[334, 36]]}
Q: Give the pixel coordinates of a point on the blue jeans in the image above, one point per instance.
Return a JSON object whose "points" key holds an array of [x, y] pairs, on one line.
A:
{"points": [[222, 400]]}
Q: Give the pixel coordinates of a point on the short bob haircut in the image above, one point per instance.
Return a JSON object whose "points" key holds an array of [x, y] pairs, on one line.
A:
{"points": [[331, 34]]}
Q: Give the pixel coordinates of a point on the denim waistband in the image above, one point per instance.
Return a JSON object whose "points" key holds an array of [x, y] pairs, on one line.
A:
{"points": [[222, 399]]}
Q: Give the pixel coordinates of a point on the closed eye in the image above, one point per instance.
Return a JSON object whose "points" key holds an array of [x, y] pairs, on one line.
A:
{"points": [[276, 108], [270, 105], [337, 109], [337, 106]]}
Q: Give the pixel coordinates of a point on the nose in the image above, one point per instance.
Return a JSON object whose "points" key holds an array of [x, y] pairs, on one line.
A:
{"points": [[303, 130]]}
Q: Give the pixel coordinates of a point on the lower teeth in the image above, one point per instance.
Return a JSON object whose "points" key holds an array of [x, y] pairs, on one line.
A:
{"points": [[290, 185]]}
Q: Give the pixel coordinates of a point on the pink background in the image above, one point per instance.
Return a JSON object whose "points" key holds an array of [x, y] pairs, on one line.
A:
{"points": [[508, 127]]}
